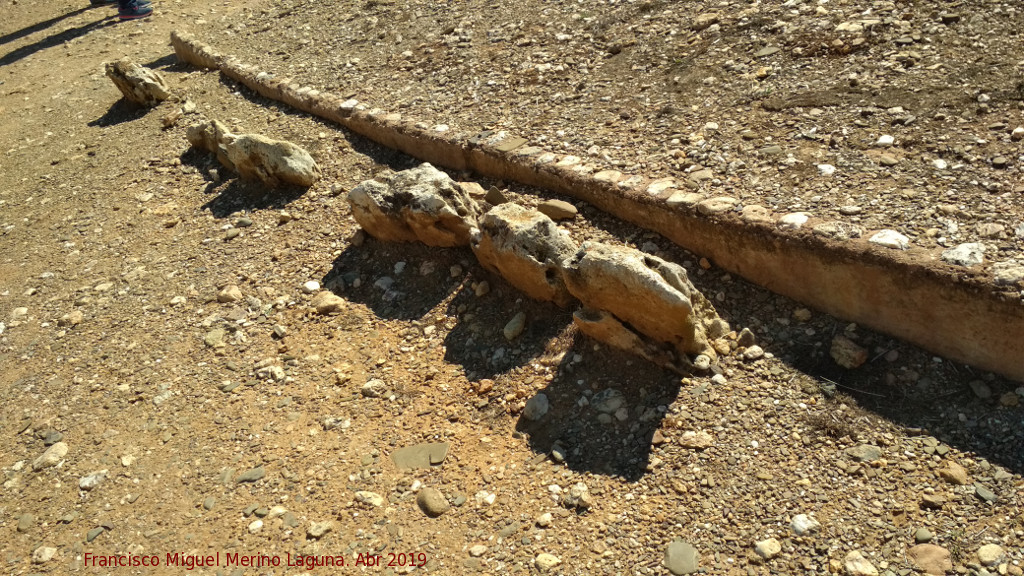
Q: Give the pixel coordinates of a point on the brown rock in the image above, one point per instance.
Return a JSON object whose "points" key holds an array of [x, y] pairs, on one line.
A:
{"points": [[931, 559], [932, 501], [847, 353], [954, 474], [557, 209]]}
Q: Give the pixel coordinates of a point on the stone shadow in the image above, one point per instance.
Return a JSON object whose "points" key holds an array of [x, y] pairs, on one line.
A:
{"points": [[233, 194], [605, 406], [119, 112]]}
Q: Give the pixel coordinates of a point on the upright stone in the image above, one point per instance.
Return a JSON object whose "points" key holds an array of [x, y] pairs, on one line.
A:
{"points": [[420, 204], [526, 248], [652, 295]]}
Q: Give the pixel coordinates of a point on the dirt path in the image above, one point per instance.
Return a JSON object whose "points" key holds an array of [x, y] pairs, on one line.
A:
{"points": [[198, 424]]}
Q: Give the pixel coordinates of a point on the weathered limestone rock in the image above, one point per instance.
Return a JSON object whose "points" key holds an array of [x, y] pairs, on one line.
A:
{"points": [[653, 296], [420, 204], [140, 85], [526, 248], [604, 327], [254, 156]]}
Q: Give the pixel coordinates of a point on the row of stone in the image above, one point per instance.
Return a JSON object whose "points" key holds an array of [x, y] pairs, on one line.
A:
{"points": [[631, 300], [832, 265]]}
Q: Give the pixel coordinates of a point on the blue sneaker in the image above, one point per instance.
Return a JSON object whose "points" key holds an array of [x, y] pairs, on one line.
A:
{"points": [[134, 10]]}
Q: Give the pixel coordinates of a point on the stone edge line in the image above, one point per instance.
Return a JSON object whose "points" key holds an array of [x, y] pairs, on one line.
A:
{"points": [[957, 313]]}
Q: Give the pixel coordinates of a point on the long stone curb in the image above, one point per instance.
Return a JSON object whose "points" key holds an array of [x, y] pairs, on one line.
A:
{"points": [[958, 313]]}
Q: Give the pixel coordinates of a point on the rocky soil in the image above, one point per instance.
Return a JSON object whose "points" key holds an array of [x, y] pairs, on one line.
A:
{"points": [[169, 387]]}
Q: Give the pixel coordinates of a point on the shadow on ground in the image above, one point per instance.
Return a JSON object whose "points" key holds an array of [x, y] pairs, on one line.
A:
{"points": [[232, 194], [52, 40], [120, 112]]}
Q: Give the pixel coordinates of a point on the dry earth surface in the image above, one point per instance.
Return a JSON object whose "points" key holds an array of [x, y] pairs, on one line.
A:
{"points": [[155, 316]]}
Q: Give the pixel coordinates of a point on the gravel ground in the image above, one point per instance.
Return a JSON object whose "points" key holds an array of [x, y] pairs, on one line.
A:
{"points": [[906, 116], [156, 324]]}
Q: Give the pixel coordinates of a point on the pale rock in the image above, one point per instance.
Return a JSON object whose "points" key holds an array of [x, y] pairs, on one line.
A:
{"points": [[138, 84], [793, 221], [838, 230], [756, 213], [856, 564], [328, 303], [53, 455], [577, 496], [967, 255], [318, 530], [256, 157], [255, 526], [885, 141], [43, 554], [71, 319], [371, 498], [696, 440], [653, 296], [990, 554], [526, 248], [768, 549], [514, 328], [684, 199], [228, 294], [803, 524], [477, 551], [716, 205], [420, 204], [536, 407], [954, 474], [681, 558], [546, 562], [93, 480], [826, 169], [753, 353], [1008, 273], [890, 239], [940, 164], [310, 287]]}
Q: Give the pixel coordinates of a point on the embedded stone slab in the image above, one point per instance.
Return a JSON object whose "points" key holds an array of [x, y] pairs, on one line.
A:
{"points": [[526, 248], [910, 294], [652, 295], [420, 204]]}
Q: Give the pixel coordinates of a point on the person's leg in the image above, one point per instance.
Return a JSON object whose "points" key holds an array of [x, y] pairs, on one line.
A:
{"points": [[133, 9]]}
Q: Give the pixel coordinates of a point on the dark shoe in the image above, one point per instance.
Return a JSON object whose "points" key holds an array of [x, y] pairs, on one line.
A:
{"points": [[103, 2], [134, 10]]}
